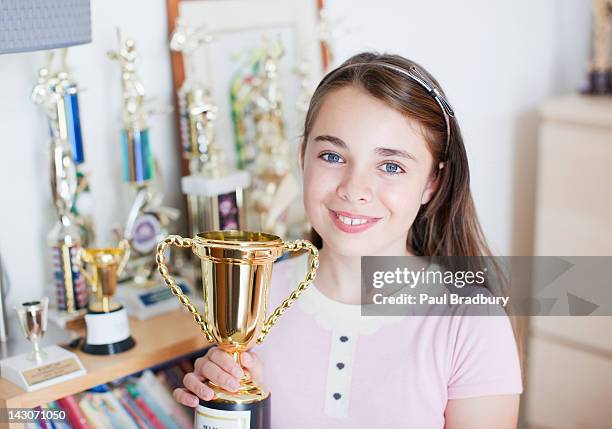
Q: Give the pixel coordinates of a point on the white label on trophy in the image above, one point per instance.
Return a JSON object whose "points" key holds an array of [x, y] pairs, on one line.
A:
{"points": [[209, 418], [50, 371], [107, 328]]}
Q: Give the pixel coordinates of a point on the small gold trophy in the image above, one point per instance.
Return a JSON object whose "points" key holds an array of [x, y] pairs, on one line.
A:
{"points": [[236, 273], [108, 329]]}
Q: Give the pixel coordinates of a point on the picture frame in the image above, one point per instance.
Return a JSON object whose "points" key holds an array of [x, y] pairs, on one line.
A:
{"points": [[237, 26]]}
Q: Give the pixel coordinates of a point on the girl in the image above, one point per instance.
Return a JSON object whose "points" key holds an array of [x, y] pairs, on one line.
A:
{"points": [[385, 173]]}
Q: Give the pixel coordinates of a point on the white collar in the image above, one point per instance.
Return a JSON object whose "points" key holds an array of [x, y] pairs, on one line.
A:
{"points": [[334, 315]]}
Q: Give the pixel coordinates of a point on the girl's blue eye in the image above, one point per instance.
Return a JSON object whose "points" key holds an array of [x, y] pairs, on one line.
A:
{"points": [[331, 157], [392, 168]]}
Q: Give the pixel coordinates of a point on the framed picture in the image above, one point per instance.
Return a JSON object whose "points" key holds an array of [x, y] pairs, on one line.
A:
{"points": [[238, 28]]}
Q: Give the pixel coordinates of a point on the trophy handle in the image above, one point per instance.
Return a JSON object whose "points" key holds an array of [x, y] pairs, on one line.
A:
{"points": [[160, 258], [293, 246], [125, 246], [82, 261]]}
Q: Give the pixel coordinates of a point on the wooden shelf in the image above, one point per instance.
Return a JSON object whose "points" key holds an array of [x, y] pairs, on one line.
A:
{"points": [[158, 339]]}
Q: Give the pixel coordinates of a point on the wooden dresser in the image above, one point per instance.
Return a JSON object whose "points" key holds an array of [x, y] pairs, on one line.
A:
{"points": [[569, 360]]}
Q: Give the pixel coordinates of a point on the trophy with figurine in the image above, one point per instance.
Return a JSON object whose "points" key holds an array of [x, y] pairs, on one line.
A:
{"points": [[57, 92], [148, 219], [215, 197]]}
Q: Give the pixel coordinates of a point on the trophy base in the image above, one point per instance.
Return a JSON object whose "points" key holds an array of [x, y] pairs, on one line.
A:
{"points": [[109, 349], [143, 301], [57, 366], [200, 185], [227, 415], [215, 203], [108, 333]]}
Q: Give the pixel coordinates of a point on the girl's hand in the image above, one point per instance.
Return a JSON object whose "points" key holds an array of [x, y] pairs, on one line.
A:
{"points": [[218, 367]]}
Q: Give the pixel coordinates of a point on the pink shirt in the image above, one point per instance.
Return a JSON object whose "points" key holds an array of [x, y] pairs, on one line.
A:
{"points": [[328, 367]]}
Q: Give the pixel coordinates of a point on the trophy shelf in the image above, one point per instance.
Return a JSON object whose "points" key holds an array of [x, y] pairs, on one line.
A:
{"points": [[159, 339]]}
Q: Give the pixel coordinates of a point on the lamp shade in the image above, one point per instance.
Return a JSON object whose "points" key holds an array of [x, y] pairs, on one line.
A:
{"points": [[34, 25]]}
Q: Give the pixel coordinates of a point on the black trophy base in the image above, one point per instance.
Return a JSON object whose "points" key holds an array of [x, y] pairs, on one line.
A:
{"points": [[210, 412], [109, 349]]}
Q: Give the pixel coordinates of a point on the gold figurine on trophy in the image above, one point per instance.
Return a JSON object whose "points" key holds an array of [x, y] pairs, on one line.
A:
{"points": [[197, 109], [214, 191], [236, 270]]}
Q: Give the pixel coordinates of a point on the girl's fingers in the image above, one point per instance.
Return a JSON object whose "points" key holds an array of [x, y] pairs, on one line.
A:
{"points": [[225, 362], [211, 371], [252, 362], [195, 385], [183, 396]]}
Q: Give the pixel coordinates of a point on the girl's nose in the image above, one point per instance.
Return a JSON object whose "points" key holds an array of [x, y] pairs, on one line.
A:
{"points": [[355, 187]]}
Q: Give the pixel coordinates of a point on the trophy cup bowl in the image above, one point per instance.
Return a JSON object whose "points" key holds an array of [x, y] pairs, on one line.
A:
{"points": [[107, 323], [236, 272], [32, 317]]}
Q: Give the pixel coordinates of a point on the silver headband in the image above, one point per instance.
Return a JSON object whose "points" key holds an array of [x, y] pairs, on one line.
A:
{"points": [[414, 74]]}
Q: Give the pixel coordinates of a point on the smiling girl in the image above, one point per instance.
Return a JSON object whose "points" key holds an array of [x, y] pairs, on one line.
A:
{"points": [[385, 173]]}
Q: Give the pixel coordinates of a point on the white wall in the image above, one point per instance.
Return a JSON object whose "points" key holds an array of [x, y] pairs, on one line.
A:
{"points": [[496, 60]]}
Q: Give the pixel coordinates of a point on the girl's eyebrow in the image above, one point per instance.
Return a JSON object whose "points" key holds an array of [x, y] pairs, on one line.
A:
{"points": [[336, 141], [382, 151], [385, 151]]}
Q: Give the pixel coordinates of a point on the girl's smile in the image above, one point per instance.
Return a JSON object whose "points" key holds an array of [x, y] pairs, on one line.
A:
{"points": [[351, 222]]}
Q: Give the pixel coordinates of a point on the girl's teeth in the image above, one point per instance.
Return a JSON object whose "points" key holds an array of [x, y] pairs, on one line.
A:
{"points": [[349, 221]]}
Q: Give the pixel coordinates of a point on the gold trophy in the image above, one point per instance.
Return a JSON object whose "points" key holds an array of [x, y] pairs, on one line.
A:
{"points": [[108, 329], [236, 273]]}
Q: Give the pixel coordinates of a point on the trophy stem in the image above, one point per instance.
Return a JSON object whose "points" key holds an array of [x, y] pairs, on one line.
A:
{"points": [[246, 378], [106, 304], [37, 355]]}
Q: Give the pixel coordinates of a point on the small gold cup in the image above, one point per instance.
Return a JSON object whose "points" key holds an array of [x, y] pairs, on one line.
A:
{"points": [[108, 329], [107, 264], [236, 273]]}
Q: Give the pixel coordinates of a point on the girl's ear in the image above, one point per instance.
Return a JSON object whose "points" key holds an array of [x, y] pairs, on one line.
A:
{"points": [[432, 185]]}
